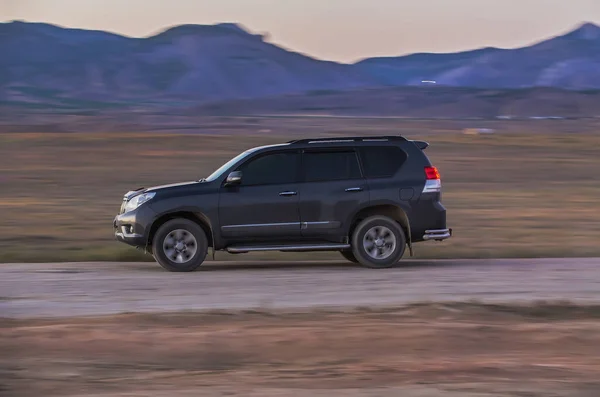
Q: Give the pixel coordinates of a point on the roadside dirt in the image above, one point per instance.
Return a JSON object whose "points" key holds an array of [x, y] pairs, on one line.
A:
{"points": [[428, 350]]}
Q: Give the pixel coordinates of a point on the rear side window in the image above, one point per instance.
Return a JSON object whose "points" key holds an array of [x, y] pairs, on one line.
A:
{"points": [[330, 166], [381, 161]]}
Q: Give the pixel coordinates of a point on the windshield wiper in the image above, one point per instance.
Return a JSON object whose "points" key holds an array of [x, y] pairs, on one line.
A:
{"points": [[202, 180]]}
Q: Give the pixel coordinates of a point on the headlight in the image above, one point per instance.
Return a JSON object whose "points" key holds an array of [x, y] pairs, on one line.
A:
{"points": [[138, 200]]}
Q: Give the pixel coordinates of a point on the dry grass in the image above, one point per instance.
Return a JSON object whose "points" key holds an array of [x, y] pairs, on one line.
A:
{"points": [[421, 350], [510, 194]]}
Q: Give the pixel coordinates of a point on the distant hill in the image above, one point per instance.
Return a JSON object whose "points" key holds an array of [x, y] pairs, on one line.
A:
{"points": [[45, 65], [420, 102], [191, 61], [571, 61]]}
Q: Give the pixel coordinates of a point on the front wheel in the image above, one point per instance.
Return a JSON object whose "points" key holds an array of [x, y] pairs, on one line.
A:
{"points": [[180, 245], [378, 242]]}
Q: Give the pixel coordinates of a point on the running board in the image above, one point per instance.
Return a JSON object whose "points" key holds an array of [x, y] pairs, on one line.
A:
{"points": [[287, 248]]}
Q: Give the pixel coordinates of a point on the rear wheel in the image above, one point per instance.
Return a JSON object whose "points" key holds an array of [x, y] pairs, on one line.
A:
{"points": [[348, 255], [180, 245], [378, 242]]}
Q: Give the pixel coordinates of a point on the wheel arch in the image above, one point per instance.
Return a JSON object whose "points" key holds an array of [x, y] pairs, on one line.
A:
{"points": [[195, 216], [390, 210]]}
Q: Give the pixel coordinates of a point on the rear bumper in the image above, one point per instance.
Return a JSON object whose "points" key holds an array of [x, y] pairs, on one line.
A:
{"points": [[427, 218], [437, 235]]}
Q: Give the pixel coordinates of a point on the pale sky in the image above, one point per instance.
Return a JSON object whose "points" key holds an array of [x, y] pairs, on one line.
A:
{"points": [[340, 30]]}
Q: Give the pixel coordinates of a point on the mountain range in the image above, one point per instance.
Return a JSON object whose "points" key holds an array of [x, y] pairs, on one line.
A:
{"points": [[44, 64]]}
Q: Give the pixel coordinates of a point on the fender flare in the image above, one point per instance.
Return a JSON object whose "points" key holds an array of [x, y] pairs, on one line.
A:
{"points": [[405, 221]]}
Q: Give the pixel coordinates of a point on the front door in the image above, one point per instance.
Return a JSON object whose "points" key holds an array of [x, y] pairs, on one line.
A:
{"points": [[265, 204], [332, 190]]}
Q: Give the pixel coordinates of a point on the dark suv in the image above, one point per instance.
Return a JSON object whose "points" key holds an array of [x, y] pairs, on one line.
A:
{"points": [[367, 197]]}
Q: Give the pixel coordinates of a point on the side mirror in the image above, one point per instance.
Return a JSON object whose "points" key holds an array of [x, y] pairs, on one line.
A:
{"points": [[234, 178]]}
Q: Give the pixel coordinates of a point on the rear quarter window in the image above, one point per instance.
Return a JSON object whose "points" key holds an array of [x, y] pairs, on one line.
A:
{"points": [[381, 161]]}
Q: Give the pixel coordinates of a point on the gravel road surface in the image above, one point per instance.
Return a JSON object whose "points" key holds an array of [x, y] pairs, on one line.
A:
{"points": [[75, 289]]}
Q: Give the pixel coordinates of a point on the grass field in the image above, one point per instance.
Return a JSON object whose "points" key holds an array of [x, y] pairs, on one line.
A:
{"points": [[508, 195]]}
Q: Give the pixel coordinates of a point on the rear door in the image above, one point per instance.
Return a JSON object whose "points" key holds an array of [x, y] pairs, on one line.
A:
{"points": [[389, 179], [332, 189]]}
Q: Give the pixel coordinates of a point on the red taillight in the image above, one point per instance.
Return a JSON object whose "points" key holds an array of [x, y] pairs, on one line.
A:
{"points": [[432, 173]]}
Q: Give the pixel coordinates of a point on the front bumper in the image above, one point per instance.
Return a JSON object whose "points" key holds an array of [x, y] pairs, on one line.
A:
{"points": [[133, 239], [132, 227], [437, 235]]}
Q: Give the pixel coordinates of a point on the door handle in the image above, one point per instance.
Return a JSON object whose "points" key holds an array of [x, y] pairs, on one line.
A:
{"points": [[354, 189], [288, 193]]}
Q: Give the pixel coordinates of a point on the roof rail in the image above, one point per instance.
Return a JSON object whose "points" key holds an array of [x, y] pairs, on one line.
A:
{"points": [[349, 139]]}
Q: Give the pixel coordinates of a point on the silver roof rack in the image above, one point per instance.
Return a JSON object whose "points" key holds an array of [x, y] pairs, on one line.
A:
{"points": [[350, 139]]}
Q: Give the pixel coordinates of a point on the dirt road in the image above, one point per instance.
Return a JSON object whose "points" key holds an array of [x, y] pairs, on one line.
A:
{"points": [[433, 350], [57, 290]]}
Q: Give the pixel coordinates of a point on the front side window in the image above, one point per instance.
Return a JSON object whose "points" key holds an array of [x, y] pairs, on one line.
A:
{"points": [[330, 166], [270, 169]]}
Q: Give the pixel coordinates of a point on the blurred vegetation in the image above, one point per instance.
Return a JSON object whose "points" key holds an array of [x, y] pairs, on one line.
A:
{"points": [[428, 349], [514, 194]]}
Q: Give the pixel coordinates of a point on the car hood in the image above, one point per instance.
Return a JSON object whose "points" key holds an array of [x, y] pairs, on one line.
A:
{"points": [[171, 186]]}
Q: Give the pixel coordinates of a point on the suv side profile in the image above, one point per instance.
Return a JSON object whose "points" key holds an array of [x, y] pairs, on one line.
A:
{"points": [[367, 197]]}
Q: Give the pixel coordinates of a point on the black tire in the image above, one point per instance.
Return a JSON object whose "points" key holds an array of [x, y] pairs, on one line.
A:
{"points": [[191, 233], [388, 232], [348, 255]]}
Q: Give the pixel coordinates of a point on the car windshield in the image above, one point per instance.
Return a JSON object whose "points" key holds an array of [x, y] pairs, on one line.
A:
{"points": [[230, 163], [227, 165]]}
